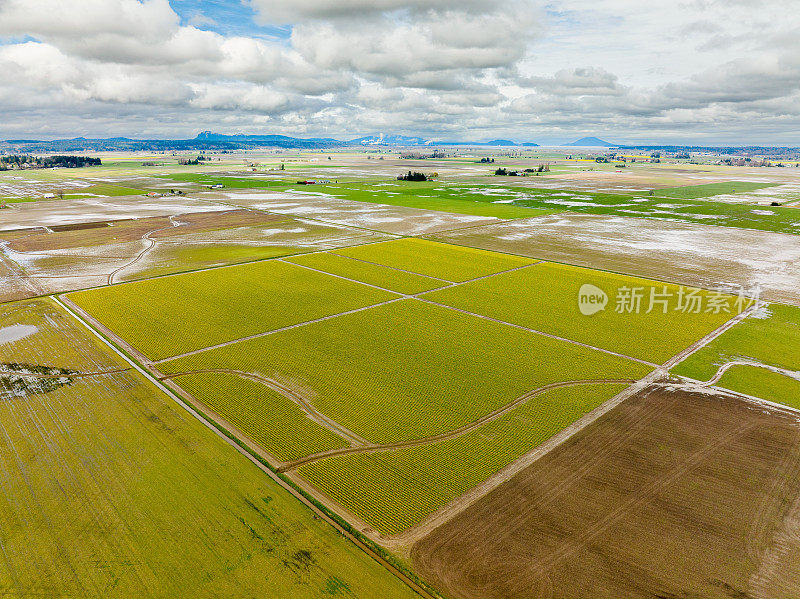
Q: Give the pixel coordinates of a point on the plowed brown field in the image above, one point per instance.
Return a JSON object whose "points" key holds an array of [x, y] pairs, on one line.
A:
{"points": [[672, 495]]}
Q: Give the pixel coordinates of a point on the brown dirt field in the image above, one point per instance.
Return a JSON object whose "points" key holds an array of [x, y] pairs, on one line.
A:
{"points": [[78, 235], [672, 495], [215, 221], [684, 253]]}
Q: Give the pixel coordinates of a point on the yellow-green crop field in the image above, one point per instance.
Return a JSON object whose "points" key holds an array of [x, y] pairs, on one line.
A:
{"points": [[545, 297], [273, 421], [110, 489], [447, 262], [770, 336], [171, 315], [394, 490], [763, 383], [366, 272], [409, 369]]}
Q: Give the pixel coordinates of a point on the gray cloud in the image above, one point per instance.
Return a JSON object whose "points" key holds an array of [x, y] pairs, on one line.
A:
{"points": [[471, 68]]}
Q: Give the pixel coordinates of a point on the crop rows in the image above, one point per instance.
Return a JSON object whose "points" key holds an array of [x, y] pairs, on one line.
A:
{"points": [[409, 369], [388, 278], [771, 336], [110, 490], [434, 259], [273, 421], [176, 314], [546, 298], [393, 491]]}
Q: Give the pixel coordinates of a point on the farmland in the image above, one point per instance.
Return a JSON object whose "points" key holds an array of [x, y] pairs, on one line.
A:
{"points": [[633, 506], [759, 357], [333, 387], [142, 310], [771, 336], [435, 259], [401, 281], [261, 413], [386, 374], [652, 327], [394, 490], [103, 474]]}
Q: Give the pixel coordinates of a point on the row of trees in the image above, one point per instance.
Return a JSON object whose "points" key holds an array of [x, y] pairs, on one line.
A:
{"points": [[24, 161]]}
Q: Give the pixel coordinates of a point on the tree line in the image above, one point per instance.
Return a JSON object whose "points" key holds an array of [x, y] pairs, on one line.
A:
{"points": [[26, 161]]}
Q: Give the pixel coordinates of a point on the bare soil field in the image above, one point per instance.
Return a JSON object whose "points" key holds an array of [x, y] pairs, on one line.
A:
{"points": [[673, 495], [388, 219], [93, 253], [689, 254], [62, 212]]}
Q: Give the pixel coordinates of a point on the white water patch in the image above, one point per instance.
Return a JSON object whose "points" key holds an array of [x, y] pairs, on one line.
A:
{"points": [[763, 212], [762, 313], [16, 332]]}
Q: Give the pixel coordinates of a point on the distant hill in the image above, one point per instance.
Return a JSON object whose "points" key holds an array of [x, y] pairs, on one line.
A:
{"points": [[388, 140], [280, 141], [591, 142]]}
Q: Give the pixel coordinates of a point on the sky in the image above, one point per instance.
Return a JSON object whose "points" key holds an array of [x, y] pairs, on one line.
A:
{"points": [[723, 72]]}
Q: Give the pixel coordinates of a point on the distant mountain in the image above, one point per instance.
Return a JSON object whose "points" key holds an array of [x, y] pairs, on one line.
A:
{"points": [[499, 142], [591, 142], [280, 141], [529, 144], [388, 140], [208, 140]]}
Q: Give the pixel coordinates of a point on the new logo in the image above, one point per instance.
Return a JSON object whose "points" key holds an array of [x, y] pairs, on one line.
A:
{"points": [[591, 299]]}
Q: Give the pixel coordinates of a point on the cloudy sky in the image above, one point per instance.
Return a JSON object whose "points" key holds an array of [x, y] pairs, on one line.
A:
{"points": [[692, 71]]}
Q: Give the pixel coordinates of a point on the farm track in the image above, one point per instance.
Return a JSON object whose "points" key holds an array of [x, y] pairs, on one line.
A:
{"points": [[455, 433], [145, 251], [304, 405], [400, 296], [728, 365]]}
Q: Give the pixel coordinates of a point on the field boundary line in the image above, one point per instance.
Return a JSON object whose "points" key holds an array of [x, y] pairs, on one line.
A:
{"points": [[258, 464], [550, 335], [702, 342], [401, 296], [701, 386], [454, 433], [410, 272], [272, 332], [141, 254]]}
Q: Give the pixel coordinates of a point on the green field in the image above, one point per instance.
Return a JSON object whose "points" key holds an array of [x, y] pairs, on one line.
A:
{"points": [[171, 315], [409, 369], [243, 182], [110, 489], [707, 190], [392, 491], [544, 297], [432, 196], [763, 383], [771, 338], [273, 421], [446, 262], [372, 274]]}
